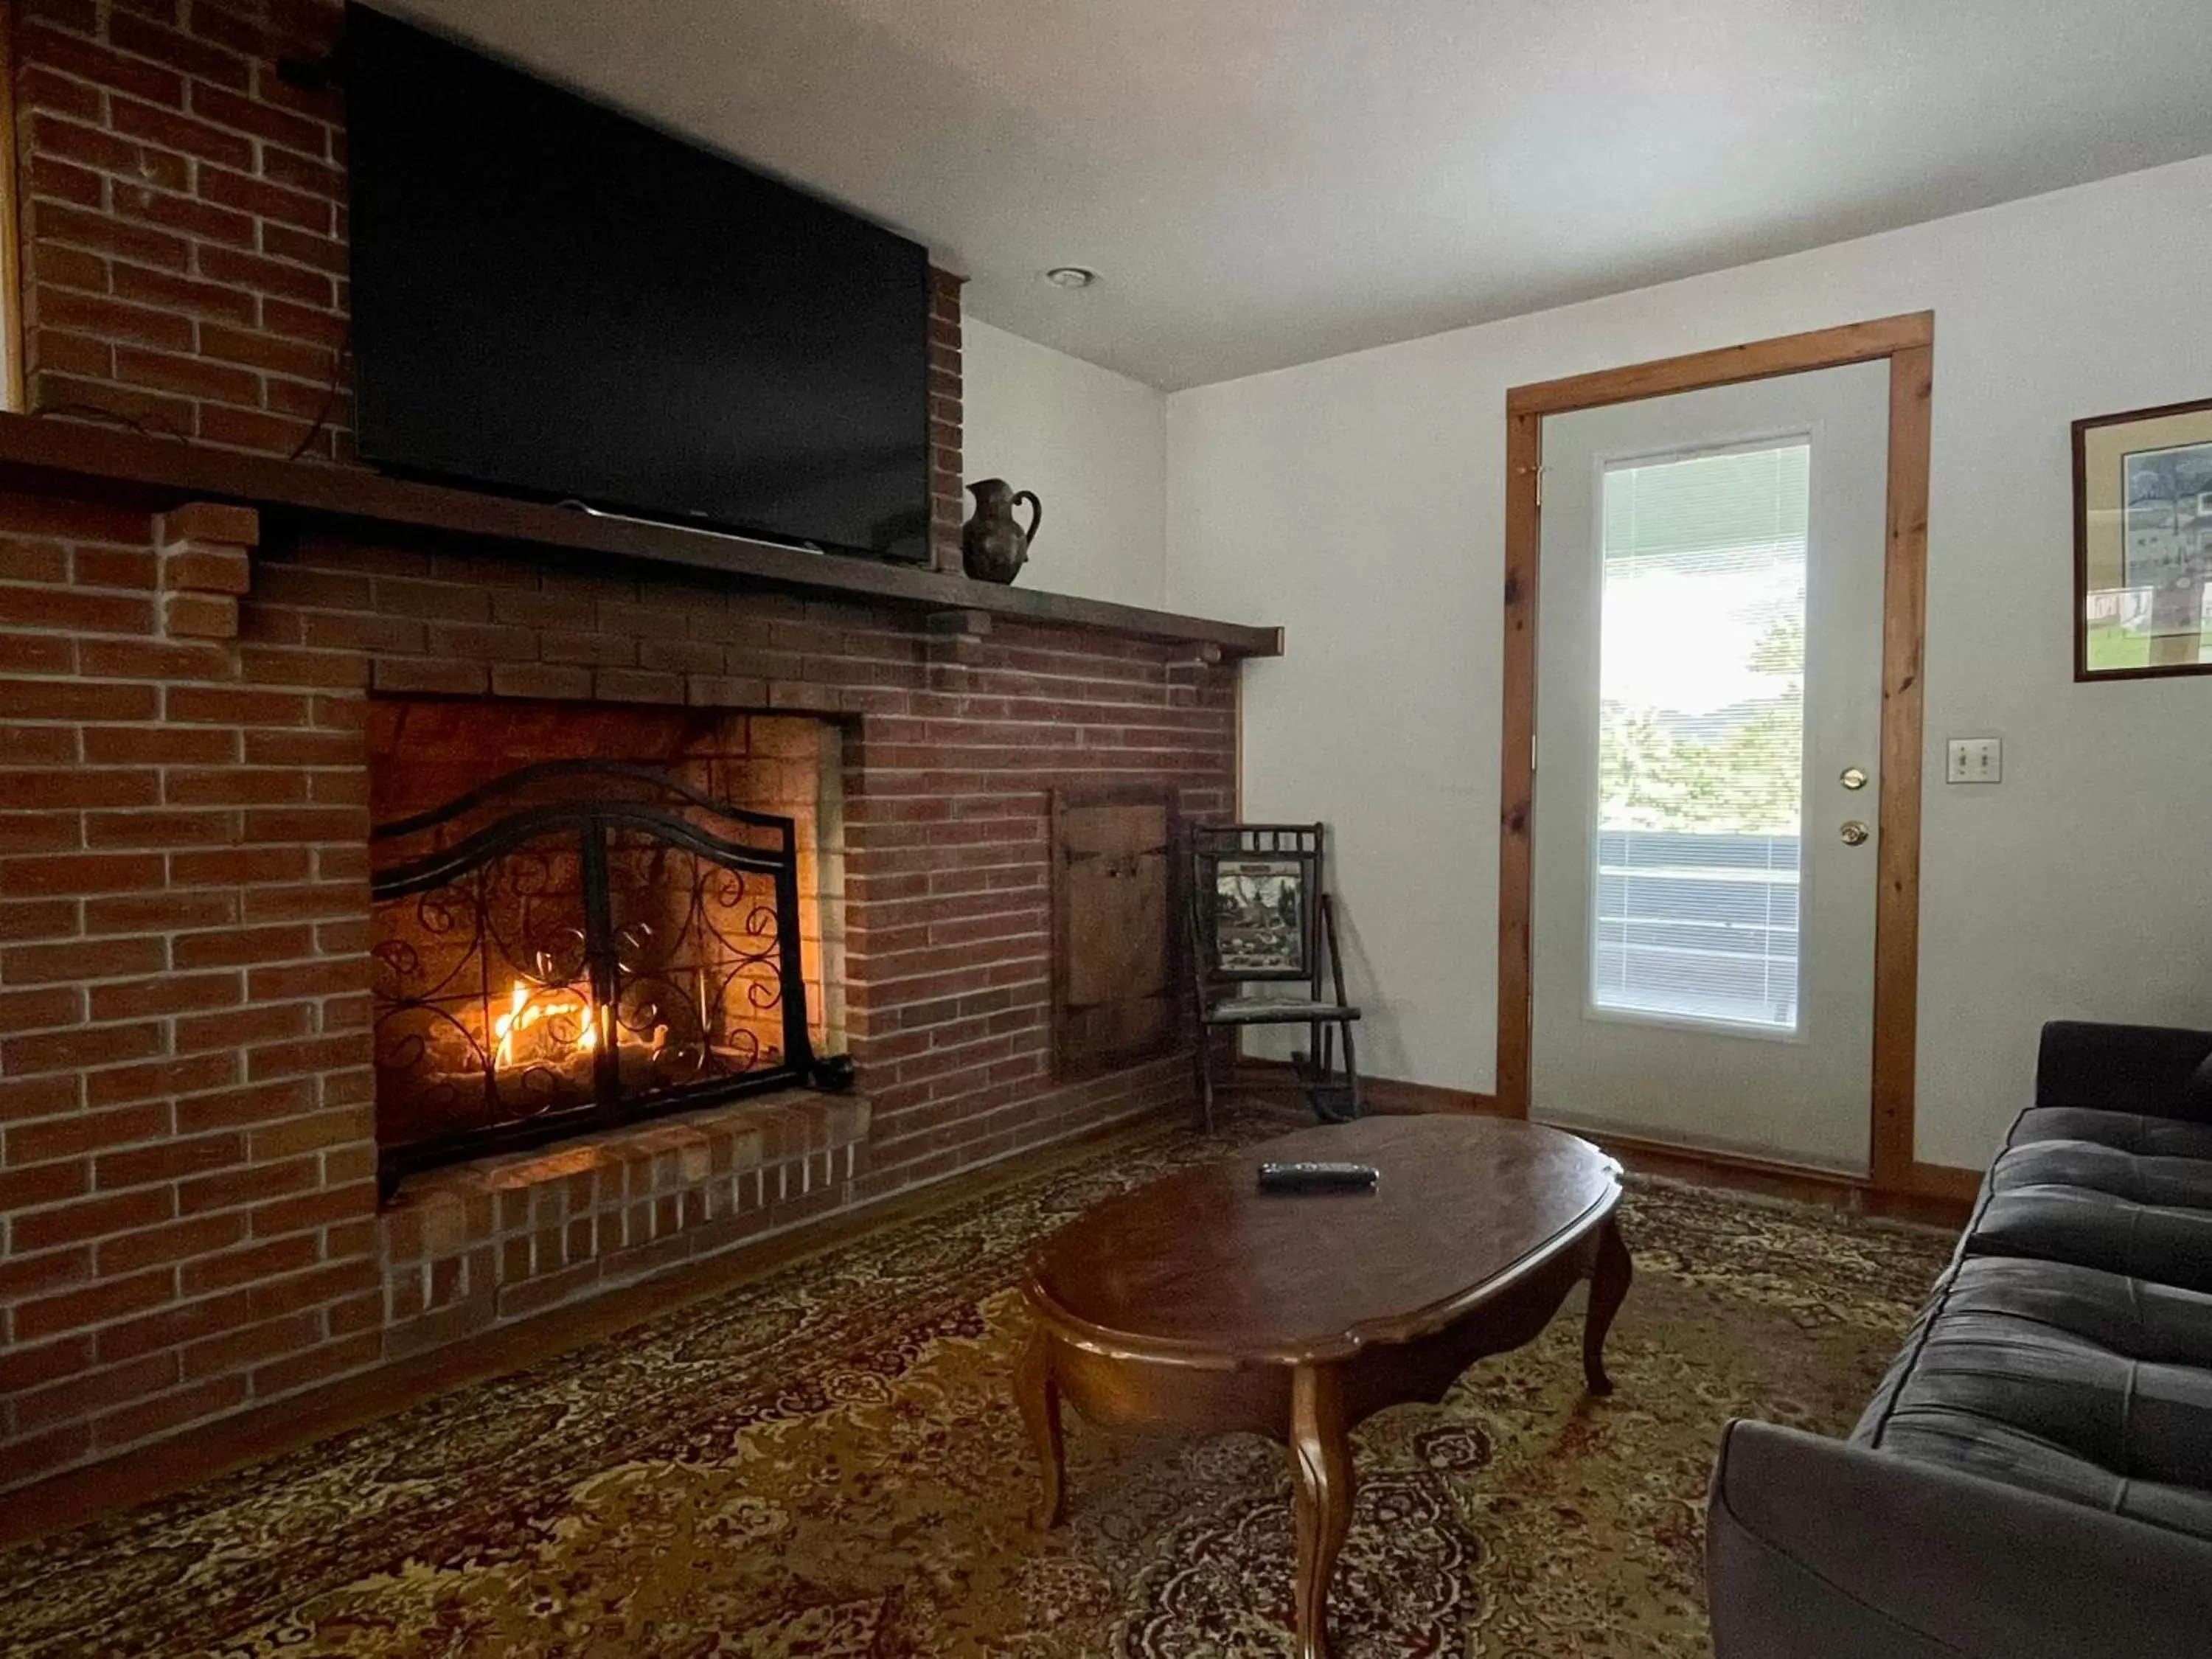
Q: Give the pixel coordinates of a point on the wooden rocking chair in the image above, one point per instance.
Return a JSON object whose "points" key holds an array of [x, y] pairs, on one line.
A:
{"points": [[1258, 916]]}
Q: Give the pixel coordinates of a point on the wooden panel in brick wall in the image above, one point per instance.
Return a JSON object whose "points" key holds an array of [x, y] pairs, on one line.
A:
{"points": [[1113, 928]]}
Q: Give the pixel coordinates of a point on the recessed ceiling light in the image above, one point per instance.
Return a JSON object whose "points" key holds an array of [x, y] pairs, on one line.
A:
{"points": [[1071, 276]]}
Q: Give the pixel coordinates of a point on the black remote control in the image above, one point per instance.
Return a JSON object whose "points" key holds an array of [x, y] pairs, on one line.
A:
{"points": [[1318, 1177]]}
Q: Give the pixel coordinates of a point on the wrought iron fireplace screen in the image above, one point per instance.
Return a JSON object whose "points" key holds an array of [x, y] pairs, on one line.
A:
{"points": [[577, 944]]}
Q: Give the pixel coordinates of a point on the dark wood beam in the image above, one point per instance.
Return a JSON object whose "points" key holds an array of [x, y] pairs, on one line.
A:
{"points": [[63, 457]]}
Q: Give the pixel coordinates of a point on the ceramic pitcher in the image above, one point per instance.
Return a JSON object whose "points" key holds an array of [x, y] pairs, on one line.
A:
{"points": [[992, 543]]}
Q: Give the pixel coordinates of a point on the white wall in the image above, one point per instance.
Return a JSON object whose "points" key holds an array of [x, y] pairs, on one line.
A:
{"points": [[1360, 502], [1090, 443]]}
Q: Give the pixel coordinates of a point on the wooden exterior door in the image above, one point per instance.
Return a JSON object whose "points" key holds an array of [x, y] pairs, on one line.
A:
{"points": [[1113, 984]]}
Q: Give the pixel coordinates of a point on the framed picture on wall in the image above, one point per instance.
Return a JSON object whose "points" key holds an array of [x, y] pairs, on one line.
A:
{"points": [[2142, 543]]}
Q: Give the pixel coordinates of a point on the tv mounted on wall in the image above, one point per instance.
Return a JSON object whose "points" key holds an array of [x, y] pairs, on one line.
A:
{"points": [[551, 299]]}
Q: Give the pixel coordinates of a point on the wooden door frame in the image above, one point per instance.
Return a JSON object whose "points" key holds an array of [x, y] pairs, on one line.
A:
{"points": [[1908, 343]]}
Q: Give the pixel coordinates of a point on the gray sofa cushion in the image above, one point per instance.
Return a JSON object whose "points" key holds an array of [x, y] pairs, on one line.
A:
{"points": [[2166, 1244], [2176, 1182], [2130, 1132], [2063, 1379]]}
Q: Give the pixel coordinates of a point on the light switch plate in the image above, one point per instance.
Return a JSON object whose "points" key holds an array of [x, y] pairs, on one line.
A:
{"points": [[1975, 760]]}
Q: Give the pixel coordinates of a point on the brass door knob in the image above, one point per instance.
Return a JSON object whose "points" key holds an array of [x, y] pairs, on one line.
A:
{"points": [[1854, 833], [1853, 778]]}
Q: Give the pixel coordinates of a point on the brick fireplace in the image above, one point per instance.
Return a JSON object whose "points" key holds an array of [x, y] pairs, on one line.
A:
{"points": [[187, 1069], [206, 708]]}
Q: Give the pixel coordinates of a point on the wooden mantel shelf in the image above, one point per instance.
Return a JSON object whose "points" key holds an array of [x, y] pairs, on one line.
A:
{"points": [[53, 456]]}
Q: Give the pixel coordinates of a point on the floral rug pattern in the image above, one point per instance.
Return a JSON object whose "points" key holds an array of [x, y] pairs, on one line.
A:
{"points": [[826, 1464]]}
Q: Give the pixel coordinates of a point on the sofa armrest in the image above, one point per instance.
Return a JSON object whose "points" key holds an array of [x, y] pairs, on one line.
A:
{"points": [[1818, 1549], [2117, 1068]]}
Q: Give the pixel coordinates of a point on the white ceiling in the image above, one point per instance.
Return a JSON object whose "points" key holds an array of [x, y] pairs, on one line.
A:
{"points": [[1265, 182]]}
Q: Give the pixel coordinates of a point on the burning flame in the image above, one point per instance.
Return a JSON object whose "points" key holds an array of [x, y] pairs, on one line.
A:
{"points": [[592, 1023], [522, 1013]]}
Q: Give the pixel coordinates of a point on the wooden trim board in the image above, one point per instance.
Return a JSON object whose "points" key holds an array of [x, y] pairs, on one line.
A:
{"points": [[1908, 342], [1936, 1193], [1945, 1182], [1897, 871], [1759, 360], [1516, 778], [1387, 1097], [1945, 1204], [1398, 1096]]}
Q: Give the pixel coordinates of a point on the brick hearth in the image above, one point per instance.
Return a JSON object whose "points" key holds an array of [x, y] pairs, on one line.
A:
{"points": [[473, 1246]]}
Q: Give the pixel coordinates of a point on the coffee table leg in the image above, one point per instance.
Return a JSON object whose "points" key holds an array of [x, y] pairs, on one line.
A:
{"points": [[1039, 1394], [1608, 1290], [1321, 1461]]}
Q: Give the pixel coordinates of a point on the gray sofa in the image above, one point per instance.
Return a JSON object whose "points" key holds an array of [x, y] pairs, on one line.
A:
{"points": [[2033, 1478]]}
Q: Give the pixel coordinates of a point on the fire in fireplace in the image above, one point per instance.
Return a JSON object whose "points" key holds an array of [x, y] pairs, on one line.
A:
{"points": [[577, 944]]}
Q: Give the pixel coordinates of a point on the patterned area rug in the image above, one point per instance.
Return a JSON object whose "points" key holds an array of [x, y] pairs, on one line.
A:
{"points": [[826, 1462]]}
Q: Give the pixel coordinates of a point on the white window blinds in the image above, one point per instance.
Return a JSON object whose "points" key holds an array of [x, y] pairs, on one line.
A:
{"points": [[1701, 737]]}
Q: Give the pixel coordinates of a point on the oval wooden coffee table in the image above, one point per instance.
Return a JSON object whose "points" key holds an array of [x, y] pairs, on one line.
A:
{"points": [[1199, 1303]]}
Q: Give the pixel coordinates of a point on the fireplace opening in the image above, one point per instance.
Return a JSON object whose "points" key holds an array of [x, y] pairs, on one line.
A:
{"points": [[580, 943]]}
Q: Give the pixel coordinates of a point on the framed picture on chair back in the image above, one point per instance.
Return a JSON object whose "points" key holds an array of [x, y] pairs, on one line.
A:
{"points": [[1259, 916]]}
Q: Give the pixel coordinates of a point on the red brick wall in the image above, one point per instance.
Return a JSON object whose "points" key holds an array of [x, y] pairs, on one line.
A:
{"points": [[947, 506], [185, 1118], [184, 232], [185, 1166], [183, 228]]}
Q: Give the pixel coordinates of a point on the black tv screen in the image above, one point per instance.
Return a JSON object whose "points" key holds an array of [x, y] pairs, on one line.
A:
{"points": [[552, 299]]}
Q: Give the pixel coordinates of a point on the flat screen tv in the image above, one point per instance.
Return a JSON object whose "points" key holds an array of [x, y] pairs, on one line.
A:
{"points": [[551, 299]]}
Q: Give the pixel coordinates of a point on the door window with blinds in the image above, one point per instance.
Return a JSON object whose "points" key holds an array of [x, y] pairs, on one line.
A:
{"points": [[1701, 737]]}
